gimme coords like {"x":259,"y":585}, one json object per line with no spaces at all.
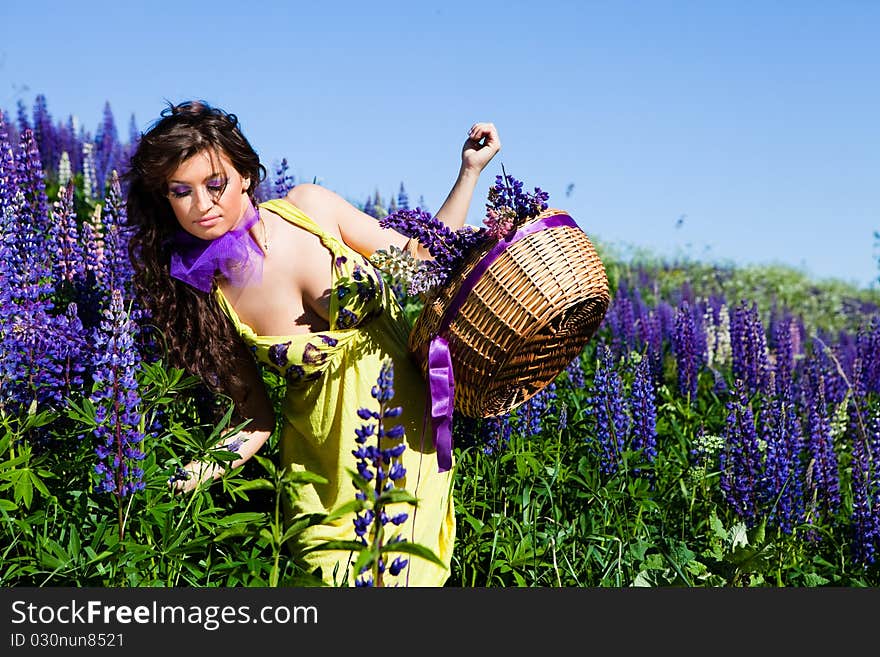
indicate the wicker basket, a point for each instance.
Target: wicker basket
{"x":516,"y":315}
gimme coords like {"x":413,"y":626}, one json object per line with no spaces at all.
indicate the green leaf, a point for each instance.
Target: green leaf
{"x":242,"y":518}
{"x":302,"y":524}
{"x":302,"y":477}
{"x":350,"y":546}
{"x":255,"y":484}
{"x":415,"y":549}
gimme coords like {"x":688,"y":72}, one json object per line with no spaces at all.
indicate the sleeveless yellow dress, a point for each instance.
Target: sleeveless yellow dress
{"x":330,"y":375}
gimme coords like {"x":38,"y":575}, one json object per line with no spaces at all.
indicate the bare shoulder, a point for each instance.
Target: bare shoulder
{"x":320,"y":204}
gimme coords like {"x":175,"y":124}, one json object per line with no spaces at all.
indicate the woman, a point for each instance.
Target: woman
{"x":288,"y":284}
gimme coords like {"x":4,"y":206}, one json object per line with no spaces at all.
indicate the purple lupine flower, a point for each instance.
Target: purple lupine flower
{"x":23,"y":123}
{"x":70,"y":144}
{"x":644,"y":412}
{"x":107,"y":150}
{"x":740,"y":461}
{"x":381,"y":465}
{"x":283,"y":180}
{"x":402,"y":198}
{"x":687,"y":357}
{"x":8,"y":174}
{"x":782,"y":481}
{"x":609,"y":408}
{"x":865,"y":430}
{"x":574,"y":371}
{"x":67,"y":351}
{"x":822,"y":478}
{"x":834,"y":383}
{"x":68,"y":264}
{"x":447,"y":246}
{"x":621,"y":322}
{"x":652,"y":331}
{"x":28,"y":335}
{"x":44,"y":134}
{"x":494,"y":433}
{"x":507,"y":193}
{"x":118,"y":272}
{"x":116,"y":399}
{"x":748,"y":344}
{"x":530,"y":414}
{"x":31,"y":182}
{"x":666,"y":314}
{"x":783,"y":356}
{"x":868,"y":350}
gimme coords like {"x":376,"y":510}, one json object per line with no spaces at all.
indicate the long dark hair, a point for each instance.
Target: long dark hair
{"x":200,"y":337}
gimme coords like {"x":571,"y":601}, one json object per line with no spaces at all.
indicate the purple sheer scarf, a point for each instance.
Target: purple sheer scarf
{"x":234,"y":254}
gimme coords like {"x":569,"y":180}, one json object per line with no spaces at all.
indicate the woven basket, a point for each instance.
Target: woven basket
{"x":527,"y":316}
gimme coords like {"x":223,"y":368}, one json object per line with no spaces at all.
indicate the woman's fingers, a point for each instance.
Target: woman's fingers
{"x":487,"y":133}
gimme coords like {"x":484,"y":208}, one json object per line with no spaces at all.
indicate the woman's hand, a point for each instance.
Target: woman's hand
{"x":474,"y":155}
{"x":188,"y":478}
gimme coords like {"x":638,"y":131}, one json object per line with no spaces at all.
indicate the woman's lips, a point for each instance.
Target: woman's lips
{"x":208,"y":221}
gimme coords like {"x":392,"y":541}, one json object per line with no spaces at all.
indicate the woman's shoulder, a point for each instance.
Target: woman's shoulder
{"x":318,"y":203}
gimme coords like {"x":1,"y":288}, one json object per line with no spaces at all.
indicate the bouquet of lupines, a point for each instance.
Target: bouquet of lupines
{"x":507,"y":208}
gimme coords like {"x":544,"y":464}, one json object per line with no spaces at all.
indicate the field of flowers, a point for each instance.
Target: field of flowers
{"x":722,"y":428}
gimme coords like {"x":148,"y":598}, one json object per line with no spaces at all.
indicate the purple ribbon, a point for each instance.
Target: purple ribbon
{"x":442,"y":385}
{"x":235,"y":254}
{"x":441,"y":378}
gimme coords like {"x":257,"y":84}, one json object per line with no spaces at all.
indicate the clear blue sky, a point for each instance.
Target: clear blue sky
{"x":731,"y":131}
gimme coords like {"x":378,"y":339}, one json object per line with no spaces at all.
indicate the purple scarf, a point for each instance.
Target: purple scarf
{"x":235,"y":254}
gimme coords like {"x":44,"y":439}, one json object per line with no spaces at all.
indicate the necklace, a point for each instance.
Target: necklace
{"x":265,"y":234}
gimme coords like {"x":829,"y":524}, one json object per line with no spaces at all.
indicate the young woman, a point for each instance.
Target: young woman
{"x":288,"y":284}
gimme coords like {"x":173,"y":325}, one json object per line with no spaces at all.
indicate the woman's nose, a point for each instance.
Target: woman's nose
{"x":204,"y":200}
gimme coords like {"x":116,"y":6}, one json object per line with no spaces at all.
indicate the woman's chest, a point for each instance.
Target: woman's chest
{"x":293,"y":295}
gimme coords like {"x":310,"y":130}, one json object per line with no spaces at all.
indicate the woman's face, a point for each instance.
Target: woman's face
{"x":207,"y":195}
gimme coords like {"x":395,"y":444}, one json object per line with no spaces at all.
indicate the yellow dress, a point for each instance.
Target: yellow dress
{"x":330,"y":375}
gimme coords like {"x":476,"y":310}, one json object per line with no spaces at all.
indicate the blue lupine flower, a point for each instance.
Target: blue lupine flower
{"x":448,"y":247}
{"x":31,"y":182}
{"x":67,"y":352}
{"x":381,"y":465}
{"x":865,"y":517}
{"x":68,"y":264}
{"x":45,"y":134}
{"x":8,"y":174}
{"x":529,"y":415}
{"x":750,"y":362}
{"x":609,"y":408}
{"x":402,"y":199}
{"x":782,"y":482}
{"x":740,"y":460}
{"x":574,"y":371}
{"x":822,"y":478}
{"x":644,"y":412}
{"x":106,"y":150}
{"x":687,"y":355}
{"x":117,"y":234}
{"x":494,"y":433}
{"x":507,"y":192}
{"x":116,"y":399}
{"x":283,"y":180}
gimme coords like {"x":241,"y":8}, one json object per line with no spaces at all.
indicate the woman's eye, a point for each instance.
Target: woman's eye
{"x":179,"y":194}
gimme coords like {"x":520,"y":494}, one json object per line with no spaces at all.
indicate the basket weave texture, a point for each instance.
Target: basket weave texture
{"x":524,"y":320}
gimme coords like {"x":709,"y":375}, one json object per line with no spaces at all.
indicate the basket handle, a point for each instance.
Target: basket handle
{"x":441,"y":378}
{"x":550,"y":221}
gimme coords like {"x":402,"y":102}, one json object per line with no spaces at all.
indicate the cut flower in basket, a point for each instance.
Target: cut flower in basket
{"x":507,"y":209}
{"x":506,"y":307}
